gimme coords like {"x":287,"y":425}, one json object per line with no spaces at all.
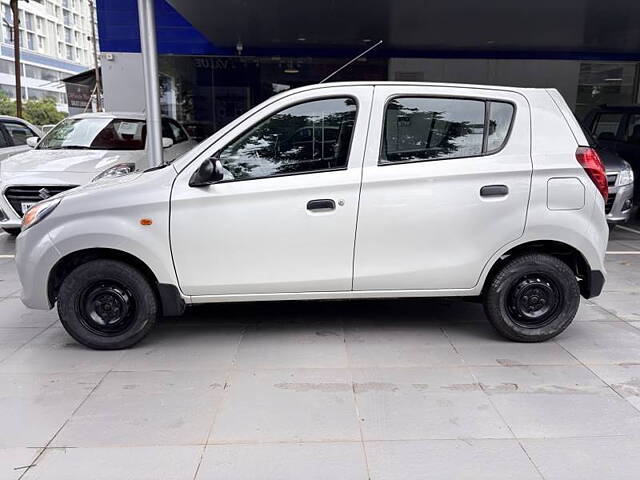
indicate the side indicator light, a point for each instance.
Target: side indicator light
{"x":146,"y":221}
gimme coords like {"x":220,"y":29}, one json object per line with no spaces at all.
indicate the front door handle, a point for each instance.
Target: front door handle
{"x":321,"y":204}
{"x":494,"y":191}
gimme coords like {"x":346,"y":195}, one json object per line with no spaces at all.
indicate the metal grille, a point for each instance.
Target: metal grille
{"x":609,"y":205}
{"x":611,"y":179}
{"x":16,"y":196}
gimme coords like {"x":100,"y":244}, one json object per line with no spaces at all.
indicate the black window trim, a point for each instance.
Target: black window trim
{"x":484,"y":153}
{"x":7,"y":133}
{"x":286,"y":107}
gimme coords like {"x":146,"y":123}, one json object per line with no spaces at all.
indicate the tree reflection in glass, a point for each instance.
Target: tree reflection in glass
{"x":308,"y":137}
{"x":425,"y":128}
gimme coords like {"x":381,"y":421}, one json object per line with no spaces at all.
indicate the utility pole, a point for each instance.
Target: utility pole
{"x":95,"y":57}
{"x":16,"y":55}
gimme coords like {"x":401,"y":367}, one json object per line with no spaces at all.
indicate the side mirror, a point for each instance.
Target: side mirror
{"x":166,"y":142}
{"x":210,"y":172}
{"x":33,"y":141}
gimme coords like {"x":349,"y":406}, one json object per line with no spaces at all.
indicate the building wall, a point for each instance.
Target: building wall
{"x":560,"y":74}
{"x":55,"y":41}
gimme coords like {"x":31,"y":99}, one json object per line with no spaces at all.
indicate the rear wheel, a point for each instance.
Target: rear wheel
{"x":14,"y":232}
{"x":532,"y":298}
{"x":107,"y":305}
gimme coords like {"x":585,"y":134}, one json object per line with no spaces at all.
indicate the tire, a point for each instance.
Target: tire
{"x":532,"y":298}
{"x":14,"y":232}
{"x":107,"y":305}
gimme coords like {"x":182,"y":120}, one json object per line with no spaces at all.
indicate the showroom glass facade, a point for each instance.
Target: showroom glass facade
{"x":207,"y":92}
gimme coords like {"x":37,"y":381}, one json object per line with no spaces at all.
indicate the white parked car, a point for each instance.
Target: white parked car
{"x":338,"y":191}
{"x":14,"y":133}
{"x":76,"y":151}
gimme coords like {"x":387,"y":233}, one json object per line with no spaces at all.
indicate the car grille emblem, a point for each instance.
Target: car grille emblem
{"x":44,"y":193}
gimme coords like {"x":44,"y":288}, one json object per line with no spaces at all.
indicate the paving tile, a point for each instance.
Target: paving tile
{"x":449,"y":459}
{"x":399,"y":347}
{"x":284,"y":461}
{"x":7,"y":350}
{"x":288,"y":405}
{"x":59,"y":358}
{"x":591,"y":312}
{"x":139,"y":463}
{"x":211,"y":347}
{"x":293,"y":346}
{"x":15,"y":315}
{"x":402,"y":404}
{"x":622,"y":273}
{"x":146,"y":409}
{"x":13,"y":461}
{"x":586,"y":458}
{"x":625,"y":305}
{"x":18,"y":336}
{"x":543,"y":379}
{"x":34,"y":406}
{"x":602,"y":343}
{"x":624,"y":379}
{"x":482,"y":345}
{"x":547,"y":415}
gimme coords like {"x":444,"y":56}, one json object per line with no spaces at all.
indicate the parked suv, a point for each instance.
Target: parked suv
{"x":618,"y":129}
{"x":429,"y":190}
{"x":76,"y":151}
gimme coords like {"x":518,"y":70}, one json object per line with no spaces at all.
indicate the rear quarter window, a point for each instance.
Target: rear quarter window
{"x":431,"y":128}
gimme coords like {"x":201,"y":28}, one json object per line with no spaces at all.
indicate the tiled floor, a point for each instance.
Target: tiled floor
{"x":327,"y":390}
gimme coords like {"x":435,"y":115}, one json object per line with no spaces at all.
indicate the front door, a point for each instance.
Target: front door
{"x":283,"y":218}
{"x":445,"y":186}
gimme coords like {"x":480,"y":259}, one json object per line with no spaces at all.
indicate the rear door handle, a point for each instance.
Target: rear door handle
{"x":321,"y":204}
{"x":494,"y":191}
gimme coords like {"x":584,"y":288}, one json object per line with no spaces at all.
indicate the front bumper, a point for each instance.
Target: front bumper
{"x":36,"y":256}
{"x":620,"y":204}
{"x":8,"y":216}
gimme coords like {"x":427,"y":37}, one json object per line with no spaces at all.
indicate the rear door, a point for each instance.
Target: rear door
{"x":446,"y":183}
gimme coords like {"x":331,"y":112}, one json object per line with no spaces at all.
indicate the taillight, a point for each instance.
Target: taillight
{"x":590,"y":161}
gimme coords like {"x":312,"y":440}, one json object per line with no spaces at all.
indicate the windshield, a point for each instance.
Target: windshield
{"x":96,"y":134}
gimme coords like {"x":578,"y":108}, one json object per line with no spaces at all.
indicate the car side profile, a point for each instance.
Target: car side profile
{"x":425,"y":190}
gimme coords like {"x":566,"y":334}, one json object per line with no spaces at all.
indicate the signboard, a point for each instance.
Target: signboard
{"x":78,"y":95}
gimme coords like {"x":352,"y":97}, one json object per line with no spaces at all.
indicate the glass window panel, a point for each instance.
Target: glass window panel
{"x":426,"y":128}
{"x":309,"y":137}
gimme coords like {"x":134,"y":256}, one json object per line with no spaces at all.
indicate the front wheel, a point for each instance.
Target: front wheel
{"x":107,"y":305}
{"x":532,"y":298}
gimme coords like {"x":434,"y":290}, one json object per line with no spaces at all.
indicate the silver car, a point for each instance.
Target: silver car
{"x":620,"y":180}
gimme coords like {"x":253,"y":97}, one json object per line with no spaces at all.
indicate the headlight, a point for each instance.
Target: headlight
{"x":625,"y":177}
{"x":116,"y":171}
{"x":39,"y":211}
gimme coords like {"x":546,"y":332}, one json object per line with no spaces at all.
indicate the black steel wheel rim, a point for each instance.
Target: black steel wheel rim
{"x":534,"y":300}
{"x":106,"y":308}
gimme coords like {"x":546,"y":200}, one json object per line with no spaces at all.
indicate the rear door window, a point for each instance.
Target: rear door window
{"x":431,"y":128}
{"x":605,"y":126}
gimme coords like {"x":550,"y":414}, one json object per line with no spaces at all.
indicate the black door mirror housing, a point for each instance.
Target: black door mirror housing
{"x":210,"y":172}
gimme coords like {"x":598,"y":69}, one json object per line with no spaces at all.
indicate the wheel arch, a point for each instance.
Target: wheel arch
{"x":170,"y":298}
{"x":589,"y":280}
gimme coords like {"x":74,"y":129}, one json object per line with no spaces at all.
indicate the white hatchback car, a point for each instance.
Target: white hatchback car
{"x":76,"y":151}
{"x":338,"y":191}
{"x":14,"y":133}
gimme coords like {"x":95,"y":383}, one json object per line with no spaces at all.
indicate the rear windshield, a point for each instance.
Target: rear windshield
{"x":96,"y":134}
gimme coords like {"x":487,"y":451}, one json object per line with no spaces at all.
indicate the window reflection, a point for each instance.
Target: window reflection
{"x":432,"y":128}
{"x":308,"y":137}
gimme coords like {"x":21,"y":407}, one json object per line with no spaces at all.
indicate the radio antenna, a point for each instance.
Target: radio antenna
{"x":351,"y":61}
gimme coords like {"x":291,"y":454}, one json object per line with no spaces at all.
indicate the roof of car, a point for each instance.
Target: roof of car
{"x":425,"y":84}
